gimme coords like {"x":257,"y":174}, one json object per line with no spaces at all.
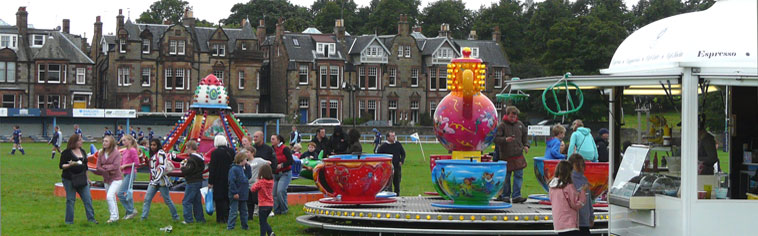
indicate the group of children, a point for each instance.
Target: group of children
{"x":259,"y":179}
{"x":571,"y":198}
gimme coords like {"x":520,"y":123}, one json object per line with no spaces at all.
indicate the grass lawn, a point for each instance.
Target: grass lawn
{"x":29,"y":206}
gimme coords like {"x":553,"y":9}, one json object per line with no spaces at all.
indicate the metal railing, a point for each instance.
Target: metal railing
{"x":369,"y":138}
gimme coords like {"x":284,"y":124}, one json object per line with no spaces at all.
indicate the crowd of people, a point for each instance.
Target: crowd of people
{"x":251,"y":181}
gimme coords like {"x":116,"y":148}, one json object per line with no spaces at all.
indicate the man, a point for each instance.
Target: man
{"x":602,"y":145}
{"x":119,"y":135}
{"x":150,"y":133}
{"x":392,"y":146}
{"x":132,"y":132}
{"x":322,"y":143}
{"x":140,"y":135}
{"x":56,"y":141}
{"x":511,"y":139}
{"x":706,"y":150}
{"x":377,"y":139}
{"x":262,"y":151}
{"x":77,"y":130}
{"x":107,"y":132}
{"x":17,"y":141}
{"x":294,"y":136}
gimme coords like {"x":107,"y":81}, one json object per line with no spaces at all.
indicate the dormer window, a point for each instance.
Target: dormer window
{"x":297,"y":44}
{"x":180,"y":48}
{"x":219,"y":50}
{"x":172,"y":47}
{"x":38,"y":40}
{"x":8,"y":41}
{"x":244,"y":46}
{"x":445,"y":53}
{"x":474,"y":52}
{"x":146,"y":46}
{"x":322,"y":48}
{"x":122,"y":45}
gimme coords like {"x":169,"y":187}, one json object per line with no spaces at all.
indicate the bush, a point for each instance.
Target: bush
{"x":425,"y":119}
{"x":358,"y":121}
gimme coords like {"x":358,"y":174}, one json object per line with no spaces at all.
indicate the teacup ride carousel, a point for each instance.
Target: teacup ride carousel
{"x":465,"y":123}
{"x":596,"y":173}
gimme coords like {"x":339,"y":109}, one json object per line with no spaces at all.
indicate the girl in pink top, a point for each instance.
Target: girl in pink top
{"x":108,"y":163}
{"x":566,"y":200}
{"x":129,"y":163}
{"x":265,"y":188}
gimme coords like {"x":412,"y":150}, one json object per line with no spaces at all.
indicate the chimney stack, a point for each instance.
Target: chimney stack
{"x":339,"y":29}
{"x":167,"y":22}
{"x":444,"y":30}
{"x":188,"y":19}
{"x":243,"y":23}
{"x":279,"y":29}
{"x":496,"y":34}
{"x":260,"y":32}
{"x":472,"y":35}
{"x":95,"y":38}
{"x":119,"y":20}
{"x":417,"y":29}
{"x":66,"y":26}
{"x":402,"y":25}
{"x":21,"y":23}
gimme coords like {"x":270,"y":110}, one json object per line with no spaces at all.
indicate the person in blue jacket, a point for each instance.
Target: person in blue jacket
{"x":582,"y":142}
{"x":553,"y":149}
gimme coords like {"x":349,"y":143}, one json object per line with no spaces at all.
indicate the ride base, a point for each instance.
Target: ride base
{"x":415,"y":215}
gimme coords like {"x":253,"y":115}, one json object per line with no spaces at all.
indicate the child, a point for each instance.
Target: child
{"x":586,"y":213}
{"x":265,"y":188}
{"x":311,"y":153}
{"x":296,"y":149}
{"x":237,"y":194}
{"x":255,"y":167}
{"x":17,"y":141}
{"x":56,"y":141}
{"x":553,"y":149}
{"x":566,"y":200}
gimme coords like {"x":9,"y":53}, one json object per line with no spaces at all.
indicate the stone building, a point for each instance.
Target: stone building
{"x":44,"y":68}
{"x":156,"y":67}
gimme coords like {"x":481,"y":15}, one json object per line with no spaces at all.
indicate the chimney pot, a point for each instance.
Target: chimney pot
{"x":120,"y":11}
{"x":66,"y":26}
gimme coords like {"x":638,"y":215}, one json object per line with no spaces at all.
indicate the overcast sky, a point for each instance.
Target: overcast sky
{"x":48,"y":14}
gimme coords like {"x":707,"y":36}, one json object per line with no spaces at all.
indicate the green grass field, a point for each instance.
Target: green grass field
{"x":30,"y":208}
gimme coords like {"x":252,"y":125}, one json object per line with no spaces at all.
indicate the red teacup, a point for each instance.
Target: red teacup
{"x":354,"y":179}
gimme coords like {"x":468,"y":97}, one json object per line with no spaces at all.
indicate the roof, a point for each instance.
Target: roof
{"x":2,"y":23}
{"x":489,"y":51}
{"x":673,"y":42}
{"x":305,"y":50}
{"x":361,"y":42}
{"x":58,"y":45}
{"x":202,"y":34}
{"x":311,"y":30}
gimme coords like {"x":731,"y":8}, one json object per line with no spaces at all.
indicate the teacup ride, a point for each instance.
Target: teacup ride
{"x":469,"y":184}
{"x":354,"y":179}
{"x":433,"y":162}
{"x":596,"y":173}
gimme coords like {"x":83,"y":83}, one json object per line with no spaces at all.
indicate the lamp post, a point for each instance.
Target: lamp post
{"x":351,"y":88}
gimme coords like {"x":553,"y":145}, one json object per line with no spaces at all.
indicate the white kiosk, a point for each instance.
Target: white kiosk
{"x":680,"y":55}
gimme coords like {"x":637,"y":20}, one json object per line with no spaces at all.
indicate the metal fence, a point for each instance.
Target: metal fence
{"x":369,"y":138}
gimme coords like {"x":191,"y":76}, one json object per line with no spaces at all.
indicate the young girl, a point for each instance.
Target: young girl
{"x":238,"y":191}
{"x":108,"y":163}
{"x":264,"y":186}
{"x":586,"y":213}
{"x":158,"y":180}
{"x":566,"y":200}
{"x":255,"y":164}
{"x":553,"y":150}
{"x":129,"y":162}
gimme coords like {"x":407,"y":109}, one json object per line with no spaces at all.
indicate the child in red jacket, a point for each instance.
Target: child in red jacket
{"x":265,"y":188}
{"x":566,"y":200}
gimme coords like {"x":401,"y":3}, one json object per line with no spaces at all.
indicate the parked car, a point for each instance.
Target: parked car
{"x":325,"y":122}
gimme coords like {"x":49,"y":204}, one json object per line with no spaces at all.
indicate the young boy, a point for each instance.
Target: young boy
{"x":56,"y":141}
{"x":238,"y":191}
{"x":586,"y":213}
{"x":17,"y":141}
{"x":553,"y":149}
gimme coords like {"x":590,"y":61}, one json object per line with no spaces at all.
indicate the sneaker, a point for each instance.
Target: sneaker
{"x":94,"y":221}
{"x":111,"y":221}
{"x":129,"y":216}
{"x":272,"y":234}
{"x":185,"y":222}
{"x":271,"y":214}
{"x":519,"y":200}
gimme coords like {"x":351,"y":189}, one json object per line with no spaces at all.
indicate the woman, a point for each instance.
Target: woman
{"x":582,"y":142}
{"x":74,"y":165}
{"x":221,"y":160}
{"x":282,"y":175}
{"x":129,"y":163}
{"x":353,"y":139}
{"x":158,"y":180}
{"x":338,"y":143}
{"x":108,"y":163}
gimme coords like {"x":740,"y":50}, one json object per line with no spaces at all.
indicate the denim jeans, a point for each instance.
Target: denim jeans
{"x":193,"y":203}
{"x":71,"y":199}
{"x":263,"y":212}
{"x":125,"y":196}
{"x":237,"y":207}
{"x":151,"y":191}
{"x":518,"y":178}
{"x":281,"y":181}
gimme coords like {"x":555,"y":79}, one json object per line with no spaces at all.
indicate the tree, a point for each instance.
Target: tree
{"x":325,"y":13}
{"x":296,"y":18}
{"x":509,"y":16}
{"x":452,"y":12}
{"x":205,"y":23}
{"x":160,"y":11}
{"x":647,"y":12}
{"x":385,"y":13}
